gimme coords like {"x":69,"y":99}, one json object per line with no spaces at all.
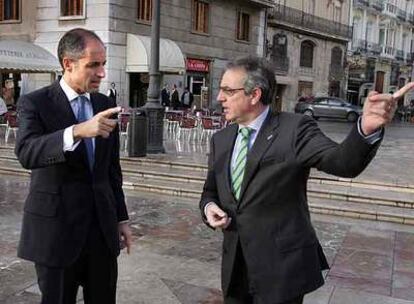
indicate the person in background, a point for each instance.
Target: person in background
{"x":175,"y":99}
{"x":112,"y":93}
{"x":3,"y":106}
{"x":75,"y":219}
{"x":165,"y":96}
{"x":187,"y":98}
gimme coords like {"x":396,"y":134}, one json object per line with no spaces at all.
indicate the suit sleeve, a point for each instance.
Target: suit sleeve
{"x":34,"y":147}
{"x":347,"y":159}
{"x":209,"y":193}
{"x":115,"y":175}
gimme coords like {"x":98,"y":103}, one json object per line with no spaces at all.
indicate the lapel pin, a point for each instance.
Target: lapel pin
{"x":270,"y":137}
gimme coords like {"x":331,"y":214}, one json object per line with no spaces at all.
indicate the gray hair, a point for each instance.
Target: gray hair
{"x":259,"y":75}
{"x":73,"y":43}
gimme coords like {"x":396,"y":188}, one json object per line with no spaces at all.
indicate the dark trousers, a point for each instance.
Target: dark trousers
{"x":240,"y":291}
{"x":96,"y":270}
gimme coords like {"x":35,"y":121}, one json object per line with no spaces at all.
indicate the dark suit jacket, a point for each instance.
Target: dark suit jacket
{"x":271,"y":220}
{"x":64,"y":194}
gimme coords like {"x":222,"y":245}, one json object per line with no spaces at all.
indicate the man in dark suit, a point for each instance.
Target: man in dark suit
{"x":255,"y":189}
{"x":75,"y":217}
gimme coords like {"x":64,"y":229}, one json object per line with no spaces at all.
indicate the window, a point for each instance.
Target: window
{"x":200,"y":16}
{"x":336,"y":57}
{"x":305,"y":88}
{"x":243,"y":25}
{"x":9,"y":10}
{"x":144,"y":12}
{"x":306,"y":54}
{"x":70,"y":8}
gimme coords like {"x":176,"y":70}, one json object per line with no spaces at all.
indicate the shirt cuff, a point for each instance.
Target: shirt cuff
{"x":123,"y":222}
{"x":372,"y":138}
{"x":68,"y":142}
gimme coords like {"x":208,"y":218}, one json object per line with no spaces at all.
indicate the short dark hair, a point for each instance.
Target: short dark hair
{"x":73,"y":43}
{"x":259,"y":74}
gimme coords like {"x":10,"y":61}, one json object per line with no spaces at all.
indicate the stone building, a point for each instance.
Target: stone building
{"x":197,"y":38}
{"x":24,"y":66}
{"x":381,"y":48}
{"x":307,"y":42}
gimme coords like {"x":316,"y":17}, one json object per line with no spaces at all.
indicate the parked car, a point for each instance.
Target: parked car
{"x":329,"y":107}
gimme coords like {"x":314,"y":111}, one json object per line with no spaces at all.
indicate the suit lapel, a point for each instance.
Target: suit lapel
{"x":264,"y":139}
{"x":226,"y":144}
{"x":61,"y":108}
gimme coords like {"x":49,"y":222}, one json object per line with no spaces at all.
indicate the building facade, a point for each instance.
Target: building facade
{"x":307,"y":43}
{"x":381,"y":48}
{"x":197,"y":38}
{"x":20,"y":59}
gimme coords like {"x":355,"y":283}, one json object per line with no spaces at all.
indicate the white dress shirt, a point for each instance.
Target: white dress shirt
{"x":68,"y":141}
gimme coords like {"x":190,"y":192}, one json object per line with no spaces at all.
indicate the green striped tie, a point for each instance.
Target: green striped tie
{"x":237,"y":172}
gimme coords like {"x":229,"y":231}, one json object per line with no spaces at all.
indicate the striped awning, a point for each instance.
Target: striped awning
{"x":26,"y":57}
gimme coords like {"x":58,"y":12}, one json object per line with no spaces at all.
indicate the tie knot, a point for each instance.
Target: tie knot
{"x":82,"y":98}
{"x":246,"y":131}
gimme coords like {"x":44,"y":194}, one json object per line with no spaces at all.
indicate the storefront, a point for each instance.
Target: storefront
{"x":171,"y":66}
{"x":197,"y":80}
{"x":24,"y":67}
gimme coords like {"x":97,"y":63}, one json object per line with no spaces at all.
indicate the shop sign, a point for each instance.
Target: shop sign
{"x":197,"y":65}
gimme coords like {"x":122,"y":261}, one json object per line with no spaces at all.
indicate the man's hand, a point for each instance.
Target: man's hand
{"x":99,"y":125}
{"x":216,"y":217}
{"x":125,"y":236}
{"x":379,"y":109}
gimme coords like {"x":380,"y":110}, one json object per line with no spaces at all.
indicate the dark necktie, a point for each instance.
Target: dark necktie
{"x":82,"y":100}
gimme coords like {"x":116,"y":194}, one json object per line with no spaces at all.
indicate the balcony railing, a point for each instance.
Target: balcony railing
{"x":377,"y":4}
{"x":361,"y":3}
{"x":410,"y":18}
{"x":336,"y":72}
{"x":364,"y":46}
{"x":399,"y":55}
{"x":401,"y":14}
{"x":309,"y":21}
{"x":388,"y":52}
{"x":281,"y":65}
{"x":307,"y":71}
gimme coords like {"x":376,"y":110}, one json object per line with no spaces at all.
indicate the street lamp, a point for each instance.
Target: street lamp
{"x":153,"y":109}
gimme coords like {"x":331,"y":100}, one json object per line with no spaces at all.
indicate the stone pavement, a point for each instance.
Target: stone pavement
{"x":176,"y":259}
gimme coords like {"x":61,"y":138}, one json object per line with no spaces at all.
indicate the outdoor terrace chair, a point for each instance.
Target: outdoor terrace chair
{"x":187,"y":126}
{"x":123,"y":121}
{"x":209,"y":127}
{"x":11,"y":125}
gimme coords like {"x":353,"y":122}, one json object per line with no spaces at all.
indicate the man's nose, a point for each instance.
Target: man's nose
{"x":220,"y":96}
{"x":101,"y":72}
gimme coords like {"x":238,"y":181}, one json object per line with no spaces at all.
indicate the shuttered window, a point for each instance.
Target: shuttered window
{"x":200,"y":16}
{"x":243,"y":26}
{"x":9,"y":10}
{"x":144,"y":12}
{"x":70,"y":8}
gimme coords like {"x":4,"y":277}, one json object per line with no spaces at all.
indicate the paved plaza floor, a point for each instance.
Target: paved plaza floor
{"x":176,"y":258}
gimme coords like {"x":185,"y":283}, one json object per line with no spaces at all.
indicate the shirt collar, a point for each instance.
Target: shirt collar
{"x":69,"y":92}
{"x":258,"y":122}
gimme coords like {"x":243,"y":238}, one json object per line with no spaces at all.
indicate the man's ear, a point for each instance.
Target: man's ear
{"x":67,"y":64}
{"x":256,"y":95}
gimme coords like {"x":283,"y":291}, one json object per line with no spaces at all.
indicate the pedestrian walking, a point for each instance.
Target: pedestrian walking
{"x":255,"y":190}
{"x":75,"y":217}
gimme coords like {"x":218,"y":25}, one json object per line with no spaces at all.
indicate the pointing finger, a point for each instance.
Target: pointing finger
{"x":401,"y":92}
{"x":109,"y":112}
